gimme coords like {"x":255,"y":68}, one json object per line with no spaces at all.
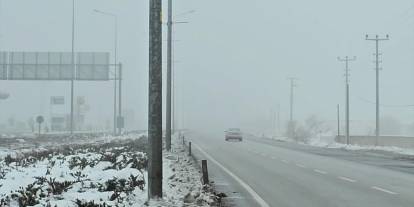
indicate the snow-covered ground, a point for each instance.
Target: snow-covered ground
{"x":329,"y":142}
{"x":101,"y":171}
{"x":182,"y":181}
{"x":4,"y":152}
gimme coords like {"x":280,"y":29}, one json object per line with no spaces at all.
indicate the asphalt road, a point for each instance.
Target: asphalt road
{"x":261,"y":173}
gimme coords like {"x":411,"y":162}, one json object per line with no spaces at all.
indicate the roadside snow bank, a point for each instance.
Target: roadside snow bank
{"x":329,"y":142}
{"x":182,"y":181}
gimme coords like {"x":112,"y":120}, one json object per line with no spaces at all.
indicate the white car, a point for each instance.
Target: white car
{"x":233,"y":134}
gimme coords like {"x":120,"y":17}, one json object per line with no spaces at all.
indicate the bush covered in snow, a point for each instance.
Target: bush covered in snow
{"x":75,"y":175}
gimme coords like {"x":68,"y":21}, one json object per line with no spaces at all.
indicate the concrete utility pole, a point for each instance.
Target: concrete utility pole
{"x":278,"y":120}
{"x":155,"y":101}
{"x":377,"y":68}
{"x":73,"y":69}
{"x":347,"y":60}
{"x":292,"y":86}
{"x":169,"y":77}
{"x":291,"y":127}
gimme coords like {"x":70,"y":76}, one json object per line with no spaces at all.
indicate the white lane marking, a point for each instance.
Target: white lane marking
{"x":263,"y":154}
{"x":301,"y":166}
{"x":383,"y":190}
{"x":253,"y":193}
{"x":273,"y":158}
{"x":285,"y":161}
{"x":320,"y":171}
{"x":347,"y":179}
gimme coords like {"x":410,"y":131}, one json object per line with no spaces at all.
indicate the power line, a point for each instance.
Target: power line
{"x":385,"y":105}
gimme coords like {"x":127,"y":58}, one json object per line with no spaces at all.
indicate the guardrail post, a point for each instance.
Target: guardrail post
{"x":189,"y":148}
{"x":205,"y":172}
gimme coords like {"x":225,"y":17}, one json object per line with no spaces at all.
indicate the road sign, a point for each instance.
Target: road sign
{"x":40,"y":119}
{"x":92,"y":66}
{"x":54,"y":66}
{"x":40,"y":66}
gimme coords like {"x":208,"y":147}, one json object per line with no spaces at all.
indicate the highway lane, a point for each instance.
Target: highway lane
{"x":390,"y":160}
{"x":286,"y":177}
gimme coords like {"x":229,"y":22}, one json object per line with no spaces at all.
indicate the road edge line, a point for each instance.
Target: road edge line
{"x":246,"y":186}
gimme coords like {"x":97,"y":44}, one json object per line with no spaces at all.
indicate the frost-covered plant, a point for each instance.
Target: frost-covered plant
{"x":80,"y":203}
{"x":78,"y":175}
{"x":57,"y":188}
{"x":9,"y":159}
{"x":28,"y":196}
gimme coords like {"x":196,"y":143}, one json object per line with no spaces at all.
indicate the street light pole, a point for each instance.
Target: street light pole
{"x":116,"y":67}
{"x":169,"y":74}
{"x":73,"y":69}
{"x":121,"y":120}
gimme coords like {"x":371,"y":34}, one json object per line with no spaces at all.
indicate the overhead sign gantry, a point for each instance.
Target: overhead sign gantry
{"x":57,"y":66}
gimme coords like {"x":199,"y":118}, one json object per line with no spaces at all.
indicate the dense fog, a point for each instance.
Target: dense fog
{"x":231,"y":62}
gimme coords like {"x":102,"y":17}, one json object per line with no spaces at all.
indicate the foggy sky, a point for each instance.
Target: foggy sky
{"x":231,"y":61}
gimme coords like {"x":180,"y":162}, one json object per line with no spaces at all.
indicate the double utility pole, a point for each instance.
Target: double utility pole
{"x":169,"y":78}
{"x":377,"y":39}
{"x":155,"y":101}
{"x":347,"y":60}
